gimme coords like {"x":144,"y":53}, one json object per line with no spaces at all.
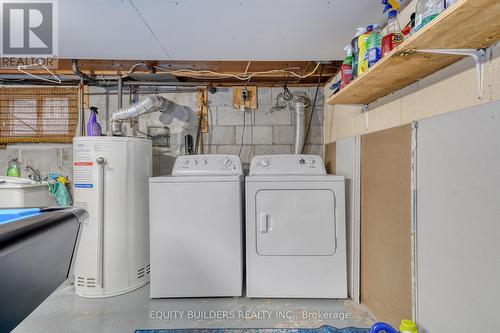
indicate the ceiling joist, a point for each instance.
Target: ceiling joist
{"x":214,"y":72}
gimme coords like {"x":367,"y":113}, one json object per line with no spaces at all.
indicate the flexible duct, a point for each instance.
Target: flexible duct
{"x":150,"y":104}
{"x":300,"y":122}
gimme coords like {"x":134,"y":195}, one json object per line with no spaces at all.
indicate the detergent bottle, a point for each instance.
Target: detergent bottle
{"x":393,"y":36}
{"x":93,"y":127}
{"x":374,"y":44}
{"x":426,"y":11}
{"x":363,"y":51}
{"x":346,"y":68}
{"x":355,"y":51}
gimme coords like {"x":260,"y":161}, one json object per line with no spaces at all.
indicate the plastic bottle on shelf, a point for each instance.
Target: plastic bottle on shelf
{"x":362,"y":65}
{"x":355,"y":51}
{"x":346,"y":68}
{"x":393,"y":36}
{"x":374,"y":44}
{"x":426,"y":11}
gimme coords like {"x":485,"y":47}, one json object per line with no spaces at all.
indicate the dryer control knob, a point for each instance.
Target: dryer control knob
{"x":311,"y":162}
{"x":203,"y":161}
{"x":302,"y":161}
{"x":265,"y":162}
{"x":227,"y":162}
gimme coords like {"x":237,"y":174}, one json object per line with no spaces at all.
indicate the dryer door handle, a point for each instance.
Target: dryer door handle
{"x":263,"y":222}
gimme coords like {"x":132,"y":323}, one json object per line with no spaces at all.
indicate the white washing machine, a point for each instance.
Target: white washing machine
{"x":196,"y":228}
{"x":295,"y":229}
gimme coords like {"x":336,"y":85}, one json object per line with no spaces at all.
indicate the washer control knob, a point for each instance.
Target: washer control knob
{"x":302,"y":161}
{"x":312,"y":161}
{"x":203,"y":161}
{"x":265,"y":162}
{"x":227,"y":162}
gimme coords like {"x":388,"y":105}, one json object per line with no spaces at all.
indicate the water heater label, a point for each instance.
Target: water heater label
{"x":83,"y":174}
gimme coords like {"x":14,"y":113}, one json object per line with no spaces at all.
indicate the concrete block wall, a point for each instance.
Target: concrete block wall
{"x":259,"y":131}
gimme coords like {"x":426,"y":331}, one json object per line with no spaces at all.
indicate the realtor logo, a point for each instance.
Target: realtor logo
{"x":29,"y":32}
{"x":27,"y":28}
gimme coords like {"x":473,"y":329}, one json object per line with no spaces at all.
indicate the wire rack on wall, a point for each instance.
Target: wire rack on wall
{"x":38,"y":114}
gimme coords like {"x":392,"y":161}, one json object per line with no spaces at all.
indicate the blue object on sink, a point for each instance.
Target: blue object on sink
{"x":11,"y":215}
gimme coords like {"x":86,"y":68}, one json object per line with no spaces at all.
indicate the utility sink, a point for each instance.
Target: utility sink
{"x":22,"y":192}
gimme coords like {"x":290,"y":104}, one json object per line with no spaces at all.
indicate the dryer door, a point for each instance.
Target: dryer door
{"x":299,"y":222}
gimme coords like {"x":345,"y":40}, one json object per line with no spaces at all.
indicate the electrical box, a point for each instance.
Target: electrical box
{"x":251,"y":100}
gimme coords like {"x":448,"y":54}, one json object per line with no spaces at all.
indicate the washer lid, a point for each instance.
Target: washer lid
{"x":207,"y":165}
{"x":289,"y":164}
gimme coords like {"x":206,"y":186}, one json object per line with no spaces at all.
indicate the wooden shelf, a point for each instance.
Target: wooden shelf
{"x":469,"y":24}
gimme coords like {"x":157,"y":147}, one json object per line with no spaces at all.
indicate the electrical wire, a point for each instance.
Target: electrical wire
{"x":312,"y":109}
{"x":132,"y":69}
{"x":287,"y":94}
{"x":242,"y":134}
{"x":238,"y":77}
{"x":244,"y":116}
{"x":248,"y":66}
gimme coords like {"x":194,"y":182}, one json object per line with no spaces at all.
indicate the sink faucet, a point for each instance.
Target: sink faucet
{"x":34,"y":174}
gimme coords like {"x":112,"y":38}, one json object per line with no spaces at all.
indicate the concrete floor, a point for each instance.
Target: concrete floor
{"x":63,"y":311}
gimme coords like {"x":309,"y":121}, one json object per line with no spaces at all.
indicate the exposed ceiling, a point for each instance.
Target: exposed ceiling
{"x":111,"y":37}
{"x":244,"y":30}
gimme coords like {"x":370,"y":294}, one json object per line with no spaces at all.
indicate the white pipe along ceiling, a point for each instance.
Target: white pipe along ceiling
{"x":211,"y":30}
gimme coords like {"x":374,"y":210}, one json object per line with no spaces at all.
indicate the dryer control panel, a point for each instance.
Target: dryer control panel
{"x":216,"y":165}
{"x":289,"y":164}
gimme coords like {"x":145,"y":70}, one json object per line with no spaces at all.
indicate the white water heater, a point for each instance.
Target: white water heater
{"x":111,"y":181}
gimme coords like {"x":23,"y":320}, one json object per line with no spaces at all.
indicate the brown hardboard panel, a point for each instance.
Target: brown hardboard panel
{"x":385,"y":224}
{"x":330,"y":157}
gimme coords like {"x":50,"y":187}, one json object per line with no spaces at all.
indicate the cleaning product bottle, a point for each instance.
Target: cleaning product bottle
{"x":426,"y":11}
{"x":374,"y":44}
{"x":363,"y":51}
{"x":355,"y":52}
{"x":394,"y":36}
{"x":14,"y":168}
{"x":382,"y":327}
{"x":406,"y":326}
{"x":93,"y":127}
{"x":346,"y":68}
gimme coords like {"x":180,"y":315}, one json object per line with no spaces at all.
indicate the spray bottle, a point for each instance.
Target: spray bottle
{"x":93,"y":127}
{"x":393,"y":37}
{"x":346,"y":68}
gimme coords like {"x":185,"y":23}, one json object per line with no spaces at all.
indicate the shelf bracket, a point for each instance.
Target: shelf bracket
{"x":479,"y":56}
{"x":364,"y":110}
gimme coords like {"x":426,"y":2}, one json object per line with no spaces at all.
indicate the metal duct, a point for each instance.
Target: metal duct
{"x":149,"y":104}
{"x":300,"y":125}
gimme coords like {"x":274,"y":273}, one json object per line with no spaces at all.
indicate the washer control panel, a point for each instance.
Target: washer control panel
{"x":289,"y":164}
{"x":215,"y":165}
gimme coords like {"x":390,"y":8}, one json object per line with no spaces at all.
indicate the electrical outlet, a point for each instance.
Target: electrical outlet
{"x":239,"y":100}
